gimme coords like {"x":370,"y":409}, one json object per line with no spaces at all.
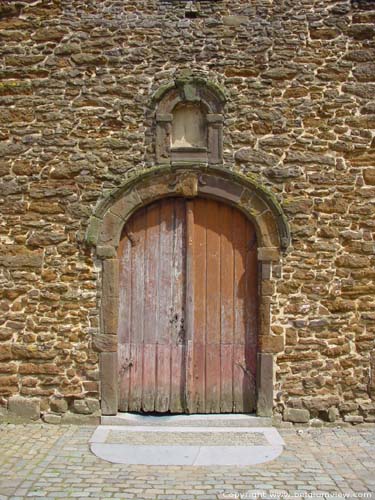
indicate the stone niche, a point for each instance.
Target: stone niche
{"x":189,"y":132}
{"x":189,"y":122}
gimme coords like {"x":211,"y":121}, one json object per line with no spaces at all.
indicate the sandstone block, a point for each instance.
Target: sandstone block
{"x":58,"y":405}
{"x":80,"y":406}
{"x":255,"y":157}
{"x":333,"y":414}
{"x":316,"y":422}
{"x":369,"y":176}
{"x":18,"y":257}
{"x":235,"y":20}
{"x":25,"y":408}
{"x":79,"y":419}
{"x":105,"y":343}
{"x":51,"y":418}
{"x":353,"y":419}
{"x":296,"y":416}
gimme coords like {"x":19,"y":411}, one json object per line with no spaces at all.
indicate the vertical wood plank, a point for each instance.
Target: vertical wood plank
{"x":178,"y":339}
{"x":226,"y":308}
{"x":251,"y":288}
{"x":138,"y":231}
{"x":149,"y":388}
{"x":151,"y":295}
{"x":166,"y":313}
{"x":213,"y":313}
{"x":124,"y":368}
{"x":136,"y":377}
{"x":151,"y":273}
{"x":226,"y":378}
{"x":177,"y":402}
{"x":239,"y":250}
{"x":190,"y":308}
{"x":199,"y":258}
{"x":163,"y":377}
{"x":137,"y":277}
{"x":227,"y":274}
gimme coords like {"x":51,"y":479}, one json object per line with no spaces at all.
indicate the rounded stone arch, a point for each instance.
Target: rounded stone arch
{"x":244,"y":193}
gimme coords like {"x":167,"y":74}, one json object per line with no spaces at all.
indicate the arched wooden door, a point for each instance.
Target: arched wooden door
{"x":188,"y":309}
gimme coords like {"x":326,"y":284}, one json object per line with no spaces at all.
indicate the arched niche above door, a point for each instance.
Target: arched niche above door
{"x":189,"y":122}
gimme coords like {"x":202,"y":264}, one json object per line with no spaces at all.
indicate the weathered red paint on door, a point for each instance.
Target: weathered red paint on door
{"x":188,"y":309}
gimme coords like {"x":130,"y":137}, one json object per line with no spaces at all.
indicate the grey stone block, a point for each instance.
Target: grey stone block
{"x":52,"y":418}
{"x":353,"y":419}
{"x":28,"y":409}
{"x":296,"y":416}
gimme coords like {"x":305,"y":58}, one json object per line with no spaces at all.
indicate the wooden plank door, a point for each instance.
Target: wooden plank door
{"x":151,"y":317}
{"x":221,"y":309}
{"x":196,"y":256}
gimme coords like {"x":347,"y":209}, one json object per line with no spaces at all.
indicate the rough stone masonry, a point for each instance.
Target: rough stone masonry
{"x":76,"y":80}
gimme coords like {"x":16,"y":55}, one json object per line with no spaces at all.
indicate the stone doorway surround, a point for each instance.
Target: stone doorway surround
{"x":243,"y":192}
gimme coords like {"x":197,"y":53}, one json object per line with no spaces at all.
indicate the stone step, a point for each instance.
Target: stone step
{"x":216,"y":420}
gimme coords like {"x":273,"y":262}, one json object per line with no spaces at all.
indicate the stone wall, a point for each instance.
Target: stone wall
{"x":76,"y":119}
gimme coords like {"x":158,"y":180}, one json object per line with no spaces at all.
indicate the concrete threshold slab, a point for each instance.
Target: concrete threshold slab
{"x":193,"y":446}
{"x":220,"y":420}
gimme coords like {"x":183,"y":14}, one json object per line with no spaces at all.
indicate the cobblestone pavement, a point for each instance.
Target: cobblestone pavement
{"x":41,"y":461}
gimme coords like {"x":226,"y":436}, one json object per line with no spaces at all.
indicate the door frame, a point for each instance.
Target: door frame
{"x":104,"y":231}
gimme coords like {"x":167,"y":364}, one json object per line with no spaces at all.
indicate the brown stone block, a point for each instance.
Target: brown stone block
{"x":333,"y":206}
{"x":21,"y":61}
{"x":44,"y":239}
{"x":153,"y":189}
{"x":126,"y":204}
{"x":49,"y":34}
{"x":32,"y":352}
{"x":295,"y":206}
{"x":187,"y":185}
{"x":6,"y":333}
{"x":268,"y":229}
{"x":8,"y":368}
{"x":369,"y":176}
{"x":9,"y":391}
{"x":89,"y":59}
{"x":43,"y":369}
{"x":109,"y":315}
{"x":110,"y":230}
{"x":106,"y":252}
{"x":264,"y":316}
{"x":267,"y":288}
{"x":265,"y":384}
{"x":362,"y":31}
{"x":271,"y":343}
{"x":108,"y":371}
{"x":5,"y":353}
{"x":219,"y":188}
{"x":324,"y":33}
{"x":110,"y":278}
{"x":252,"y":203}
{"x":105,"y":343}
{"x":268,"y":254}
{"x":7,"y":381}
{"x":17,"y":257}
{"x":45,"y":207}
{"x":353,"y":261}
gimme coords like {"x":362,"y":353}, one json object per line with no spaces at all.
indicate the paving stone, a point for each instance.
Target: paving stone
{"x":50,"y":462}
